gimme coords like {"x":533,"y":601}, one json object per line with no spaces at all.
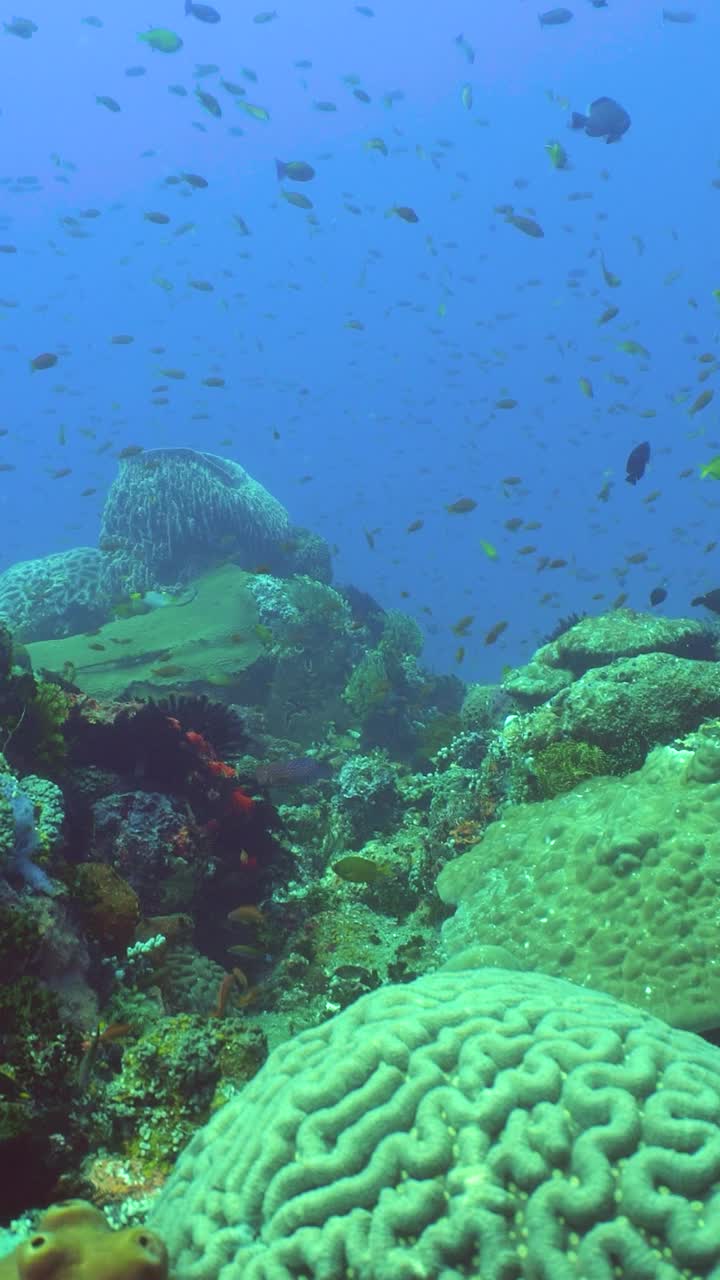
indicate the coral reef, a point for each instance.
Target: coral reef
{"x":197,"y":643}
{"x":598,"y":641}
{"x":626,"y":708}
{"x":57,"y":595}
{"x":563,"y":765}
{"x":224,"y":820}
{"x":366,"y":799}
{"x":473,"y":1122}
{"x":172,"y":513}
{"x":612,"y":884}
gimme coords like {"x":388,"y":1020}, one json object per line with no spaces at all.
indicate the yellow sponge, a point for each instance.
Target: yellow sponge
{"x":74,"y":1241}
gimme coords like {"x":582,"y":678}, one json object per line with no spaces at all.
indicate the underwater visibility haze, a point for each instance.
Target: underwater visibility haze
{"x":359,"y":640}
{"x":364,"y":364}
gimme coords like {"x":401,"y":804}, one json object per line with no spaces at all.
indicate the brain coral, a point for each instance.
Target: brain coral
{"x":614,"y":884}
{"x":473,"y":1123}
{"x":56,"y":595}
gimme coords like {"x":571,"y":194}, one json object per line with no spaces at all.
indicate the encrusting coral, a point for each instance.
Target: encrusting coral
{"x":74,"y":1241}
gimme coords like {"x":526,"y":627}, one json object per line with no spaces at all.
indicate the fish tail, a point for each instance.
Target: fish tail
{"x":188,"y":7}
{"x":578,"y":120}
{"x":280,"y":169}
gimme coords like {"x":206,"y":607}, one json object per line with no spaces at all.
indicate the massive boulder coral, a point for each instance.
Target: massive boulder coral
{"x":172,"y":513}
{"x":599,"y":641}
{"x":474,"y":1122}
{"x":624,"y":708}
{"x":57,"y":595}
{"x":613,"y":884}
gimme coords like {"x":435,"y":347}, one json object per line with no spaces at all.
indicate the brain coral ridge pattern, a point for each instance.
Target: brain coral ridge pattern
{"x":474,"y":1123}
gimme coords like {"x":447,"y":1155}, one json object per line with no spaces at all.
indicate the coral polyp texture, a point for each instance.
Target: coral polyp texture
{"x":473,"y":1123}
{"x":613,"y":884}
{"x":58,"y":594}
{"x":173,"y":511}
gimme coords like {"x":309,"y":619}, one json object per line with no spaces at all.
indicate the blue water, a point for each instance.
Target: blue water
{"x":385,"y":425}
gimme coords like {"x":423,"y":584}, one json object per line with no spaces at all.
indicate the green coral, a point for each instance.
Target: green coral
{"x":613,"y":884}
{"x":473,"y":1123}
{"x":42,"y":728}
{"x":168,"y":1080}
{"x":401,"y":636}
{"x":47,"y":799}
{"x":562,"y":765}
{"x":32,"y":715}
{"x":369,"y":684}
{"x":438,"y":732}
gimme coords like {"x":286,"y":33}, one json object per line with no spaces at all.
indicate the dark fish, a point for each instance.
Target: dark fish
{"x":461,"y":507}
{"x":637,"y":462}
{"x":209,"y":102}
{"x":22,"y":27}
{"x":495,"y":632}
{"x":555,"y":17}
{"x":403,"y":211}
{"x":605,"y":118}
{"x":203,"y":12}
{"x":296,"y":170}
{"x":683,"y":16}
{"x":657,"y":595}
{"x":359,"y":870}
{"x":104,"y":101}
{"x":711,"y":600}
{"x":527,"y":225}
{"x":292,"y":773}
{"x":45,"y":360}
{"x":298,"y":199}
